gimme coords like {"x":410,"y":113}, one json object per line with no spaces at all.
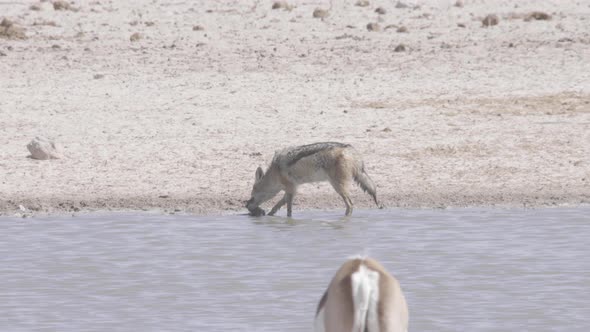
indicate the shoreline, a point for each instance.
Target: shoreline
{"x":218,"y":206}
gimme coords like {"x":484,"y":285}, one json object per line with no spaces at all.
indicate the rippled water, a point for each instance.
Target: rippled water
{"x":461,"y":270}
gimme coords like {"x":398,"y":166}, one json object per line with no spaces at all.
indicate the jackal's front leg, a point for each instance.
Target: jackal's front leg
{"x":278,"y":205}
{"x":289,"y":198}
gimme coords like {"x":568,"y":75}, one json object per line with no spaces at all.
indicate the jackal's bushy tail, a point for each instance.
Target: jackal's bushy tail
{"x":364,"y":181}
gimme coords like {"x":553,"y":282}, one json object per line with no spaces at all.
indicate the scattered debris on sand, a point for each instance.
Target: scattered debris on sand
{"x":217,"y":68}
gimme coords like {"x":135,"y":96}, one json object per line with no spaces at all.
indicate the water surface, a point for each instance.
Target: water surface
{"x":460,"y":269}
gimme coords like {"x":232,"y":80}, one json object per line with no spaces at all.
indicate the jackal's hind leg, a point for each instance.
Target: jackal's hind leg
{"x":341,"y":189}
{"x":348,"y":203}
{"x":278,"y":206}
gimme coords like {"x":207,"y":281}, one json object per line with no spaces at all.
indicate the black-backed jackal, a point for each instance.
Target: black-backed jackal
{"x":338,"y":163}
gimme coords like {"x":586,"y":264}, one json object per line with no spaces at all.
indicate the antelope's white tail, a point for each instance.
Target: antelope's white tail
{"x":365,"y":296}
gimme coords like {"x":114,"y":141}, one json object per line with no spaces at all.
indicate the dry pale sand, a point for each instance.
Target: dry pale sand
{"x":179,"y":118}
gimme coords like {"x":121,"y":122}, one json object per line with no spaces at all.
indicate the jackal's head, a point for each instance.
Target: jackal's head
{"x":265,"y":187}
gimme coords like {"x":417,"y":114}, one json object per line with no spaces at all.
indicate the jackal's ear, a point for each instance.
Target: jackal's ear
{"x":259,"y":173}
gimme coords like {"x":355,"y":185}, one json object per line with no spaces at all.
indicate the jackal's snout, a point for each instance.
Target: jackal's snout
{"x":249,"y":203}
{"x":254,"y":209}
{"x":252,"y":205}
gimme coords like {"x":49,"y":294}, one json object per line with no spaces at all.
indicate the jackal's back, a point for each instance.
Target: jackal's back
{"x":317,"y":162}
{"x":291,"y":155}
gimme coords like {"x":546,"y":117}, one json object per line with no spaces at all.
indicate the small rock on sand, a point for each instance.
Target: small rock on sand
{"x":9,"y":30}
{"x":6,"y":23}
{"x":402,"y":29}
{"x":198,"y":28}
{"x":400,"y":48}
{"x":380,"y":11}
{"x":62,"y":5}
{"x":401,"y":5}
{"x":373,"y":27}
{"x":320,"y":13}
{"x":282,"y":5}
{"x":459,"y":3}
{"x":539,"y":16}
{"x":490,"y":20}
{"x":42,"y":148}
{"x":135,"y":37}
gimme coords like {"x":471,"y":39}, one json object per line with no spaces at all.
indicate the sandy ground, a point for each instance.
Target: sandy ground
{"x":179,"y":119}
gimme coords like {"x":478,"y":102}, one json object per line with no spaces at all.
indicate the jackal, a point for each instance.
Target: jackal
{"x":337,"y":163}
{"x":362,"y":296}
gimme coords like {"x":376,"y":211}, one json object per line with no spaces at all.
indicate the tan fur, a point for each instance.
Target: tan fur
{"x":337,"y":163}
{"x":335,"y":310}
